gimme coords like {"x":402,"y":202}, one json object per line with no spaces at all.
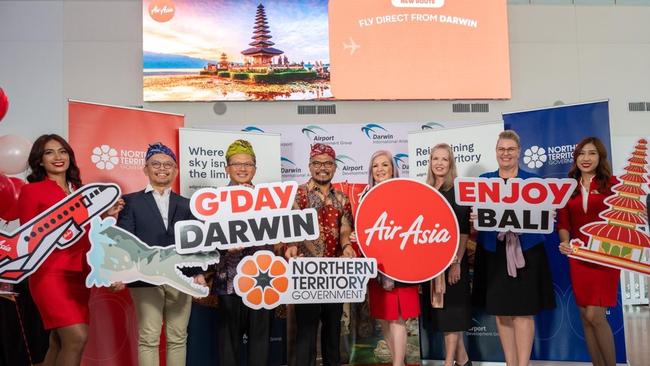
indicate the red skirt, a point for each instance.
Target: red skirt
{"x":400,"y":302}
{"x":61,"y":297}
{"x":594,"y":284}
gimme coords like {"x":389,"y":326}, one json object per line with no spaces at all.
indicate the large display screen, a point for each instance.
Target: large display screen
{"x":222,"y":50}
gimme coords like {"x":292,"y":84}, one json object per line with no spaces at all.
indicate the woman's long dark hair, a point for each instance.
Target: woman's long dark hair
{"x":603,"y":170}
{"x":38,"y":172}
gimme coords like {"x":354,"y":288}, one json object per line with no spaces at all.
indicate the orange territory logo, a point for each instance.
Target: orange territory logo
{"x":261,"y":280}
{"x":409,"y":228}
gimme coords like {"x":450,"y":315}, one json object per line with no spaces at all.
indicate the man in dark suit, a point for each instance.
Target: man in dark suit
{"x":150,"y":215}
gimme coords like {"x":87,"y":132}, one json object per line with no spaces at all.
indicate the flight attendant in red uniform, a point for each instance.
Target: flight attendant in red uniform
{"x":594,"y":286}
{"x":58,"y":285}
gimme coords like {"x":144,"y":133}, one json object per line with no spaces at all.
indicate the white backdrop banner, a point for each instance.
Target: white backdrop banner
{"x":202,"y":160}
{"x":354,"y":144}
{"x":473,"y":146}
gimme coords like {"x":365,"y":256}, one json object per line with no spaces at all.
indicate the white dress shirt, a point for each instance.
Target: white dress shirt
{"x":162,"y":201}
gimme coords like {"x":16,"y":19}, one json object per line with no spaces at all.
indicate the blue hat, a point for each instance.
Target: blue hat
{"x":159,"y":148}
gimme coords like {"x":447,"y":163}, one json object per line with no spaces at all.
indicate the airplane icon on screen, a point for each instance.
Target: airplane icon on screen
{"x":352,"y":46}
{"x":25,"y":249}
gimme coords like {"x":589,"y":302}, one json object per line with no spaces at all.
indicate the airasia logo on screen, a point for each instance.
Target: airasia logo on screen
{"x":409,"y":228}
{"x":418,"y":3}
{"x":162,"y":10}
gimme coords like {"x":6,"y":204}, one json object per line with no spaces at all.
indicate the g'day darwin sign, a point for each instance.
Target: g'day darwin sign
{"x":518,"y":205}
{"x":241,"y":216}
{"x":409,"y":228}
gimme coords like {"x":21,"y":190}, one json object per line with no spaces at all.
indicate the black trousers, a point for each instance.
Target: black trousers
{"x":235,"y":320}
{"x":307,"y":319}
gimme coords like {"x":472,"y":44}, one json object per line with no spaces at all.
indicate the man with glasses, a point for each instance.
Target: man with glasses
{"x":235,"y":318}
{"x":335,"y":223}
{"x":150,"y":215}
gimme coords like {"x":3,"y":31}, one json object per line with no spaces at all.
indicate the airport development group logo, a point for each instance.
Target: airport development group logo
{"x":535,"y":157}
{"x":349,"y":166}
{"x":252,"y":129}
{"x":317,"y":134}
{"x":432,"y":126}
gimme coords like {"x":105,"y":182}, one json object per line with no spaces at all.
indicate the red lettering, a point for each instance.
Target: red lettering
{"x":559,"y":191}
{"x":466,"y":192}
{"x":514,"y":193}
{"x":489,"y":189}
{"x":206,"y":204}
{"x":241,"y":200}
{"x":264,"y":200}
{"x":284,"y":195}
{"x":527,"y":195}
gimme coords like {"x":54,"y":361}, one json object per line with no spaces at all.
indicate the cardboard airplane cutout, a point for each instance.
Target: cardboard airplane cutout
{"x":24,"y":250}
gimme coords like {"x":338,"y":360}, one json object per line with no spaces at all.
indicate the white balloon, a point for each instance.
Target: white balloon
{"x":14,"y":151}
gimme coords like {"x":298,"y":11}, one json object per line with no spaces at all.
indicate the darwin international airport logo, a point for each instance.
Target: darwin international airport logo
{"x":252,"y":129}
{"x":261,"y":280}
{"x":432,"y":126}
{"x":289,"y":168}
{"x":535,"y":157}
{"x":377,"y":133}
{"x":104,"y":157}
{"x":402,"y":161}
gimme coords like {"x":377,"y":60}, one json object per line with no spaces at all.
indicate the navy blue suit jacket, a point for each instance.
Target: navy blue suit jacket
{"x":141,"y":217}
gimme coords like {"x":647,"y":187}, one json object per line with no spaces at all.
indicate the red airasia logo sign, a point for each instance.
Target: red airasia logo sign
{"x":409,"y":228}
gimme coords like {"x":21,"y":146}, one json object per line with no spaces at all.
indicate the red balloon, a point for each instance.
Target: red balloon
{"x":4,"y":104}
{"x":11,"y":214}
{"x":7,"y":195}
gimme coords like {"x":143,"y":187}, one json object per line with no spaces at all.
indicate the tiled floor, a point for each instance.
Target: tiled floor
{"x":637,"y":335}
{"x":637,"y":340}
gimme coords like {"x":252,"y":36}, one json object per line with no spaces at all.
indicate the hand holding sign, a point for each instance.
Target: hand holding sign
{"x":518,"y":205}
{"x":265,"y":281}
{"x":241,"y":216}
{"x":409,"y":228}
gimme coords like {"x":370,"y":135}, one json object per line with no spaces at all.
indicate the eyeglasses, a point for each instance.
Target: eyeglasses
{"x":510,"y":150}
{"x":319,"y":164}
{"x":157,"y":164}
{"x":242,"y":165}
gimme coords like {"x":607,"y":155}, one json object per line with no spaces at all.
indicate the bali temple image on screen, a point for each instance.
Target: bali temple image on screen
{"x":236,"y":50}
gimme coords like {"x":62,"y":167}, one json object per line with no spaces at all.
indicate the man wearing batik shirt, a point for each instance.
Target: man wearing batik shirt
{"x":235,"y":318}
{"x":335,"y":223}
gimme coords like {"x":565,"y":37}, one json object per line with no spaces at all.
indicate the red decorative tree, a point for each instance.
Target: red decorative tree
{"x":619,"y":242}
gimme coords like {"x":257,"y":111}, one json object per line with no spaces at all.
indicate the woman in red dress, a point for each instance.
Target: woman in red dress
{"x":594,"y":286}
{"x":391,"y":302}
{"x":58,"y":285}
